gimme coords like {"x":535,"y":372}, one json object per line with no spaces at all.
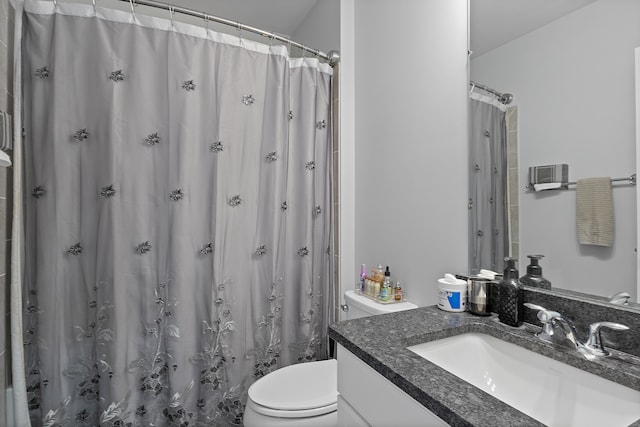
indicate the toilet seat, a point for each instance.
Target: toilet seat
{"x":304,"y":413}
{"x":297,"y":391}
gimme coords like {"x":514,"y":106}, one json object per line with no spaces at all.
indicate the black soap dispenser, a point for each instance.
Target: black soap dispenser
{"x":510,"y":290}
{"x":534,"y":277}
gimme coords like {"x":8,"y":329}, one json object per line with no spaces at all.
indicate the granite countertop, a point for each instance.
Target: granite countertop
{"x":381,"y":341}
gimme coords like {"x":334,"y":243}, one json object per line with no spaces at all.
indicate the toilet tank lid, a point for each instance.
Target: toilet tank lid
{"x":369,"y":306}
{"x":298,"y":387}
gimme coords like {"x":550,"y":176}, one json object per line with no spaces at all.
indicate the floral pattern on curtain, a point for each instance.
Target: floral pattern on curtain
{"x":177,"y":230}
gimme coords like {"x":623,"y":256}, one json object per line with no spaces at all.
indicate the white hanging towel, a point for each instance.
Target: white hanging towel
{"x":594,"y":211}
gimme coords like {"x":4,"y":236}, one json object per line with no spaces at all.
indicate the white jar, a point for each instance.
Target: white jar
{"x":452,"y":296}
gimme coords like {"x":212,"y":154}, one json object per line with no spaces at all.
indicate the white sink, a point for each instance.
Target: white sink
{"x":552,"y":392}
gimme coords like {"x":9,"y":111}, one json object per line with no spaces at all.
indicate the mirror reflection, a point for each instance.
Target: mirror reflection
{"x":571,"y":69}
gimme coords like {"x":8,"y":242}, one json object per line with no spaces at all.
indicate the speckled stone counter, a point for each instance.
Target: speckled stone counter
{"x":381,"y":341}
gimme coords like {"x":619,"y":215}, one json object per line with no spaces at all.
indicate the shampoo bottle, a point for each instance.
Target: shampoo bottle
{"x":534,"y":274}
{"x":510,"y":303}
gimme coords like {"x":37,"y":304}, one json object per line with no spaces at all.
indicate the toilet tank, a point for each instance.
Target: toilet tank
{"x":361,"y":306}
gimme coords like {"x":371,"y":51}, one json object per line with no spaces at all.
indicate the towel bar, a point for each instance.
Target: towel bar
{"x":632,"y":181}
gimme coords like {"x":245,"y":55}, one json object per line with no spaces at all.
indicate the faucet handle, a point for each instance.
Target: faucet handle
{"x":621,"y":298}
{"x":534,"y":306}
{"x":594,"y":342}
{"x":545,"y":316}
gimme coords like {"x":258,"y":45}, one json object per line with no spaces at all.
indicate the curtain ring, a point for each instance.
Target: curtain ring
{"x":172,"y":11}
{"x":133,"y":5}
{"x":95,"y":11}
{"x":239,"y":28}
{"x":55,"y":5}
{"x":473,"y":86}
{"x":206,"y":22}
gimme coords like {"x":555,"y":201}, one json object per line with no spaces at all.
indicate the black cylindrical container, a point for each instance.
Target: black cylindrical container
{"x":510,"y":311}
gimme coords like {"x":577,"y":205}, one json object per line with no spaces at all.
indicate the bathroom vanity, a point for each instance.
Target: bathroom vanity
{"x":366,"y":398}
{"x":382,"y":382}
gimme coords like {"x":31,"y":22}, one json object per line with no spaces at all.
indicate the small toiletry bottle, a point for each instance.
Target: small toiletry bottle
{"x":363,"y":277}
{"x":387,"y":285}
{"x":398,"y":292}
{"x":384,"y":292}
{"x":379,"y":274}
{"x":534,"y":277}
{"x":510,"y":308}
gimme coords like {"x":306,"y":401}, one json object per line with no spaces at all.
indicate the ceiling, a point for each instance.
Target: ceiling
{"x":280,"y":16}
{"x":496,"y":22}
{"x":493,"y":22}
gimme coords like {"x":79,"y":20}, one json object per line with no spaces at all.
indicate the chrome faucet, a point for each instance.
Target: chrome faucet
{"x":594,"y":342}
{"x":559,"y":330}
{"x":621,"y":298}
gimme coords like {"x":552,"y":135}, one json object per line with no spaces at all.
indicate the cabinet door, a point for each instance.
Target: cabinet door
{"x":376,"y":399}
{"x":349,"y":417}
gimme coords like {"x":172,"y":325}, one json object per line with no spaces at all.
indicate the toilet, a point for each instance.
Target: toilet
{"x":305,"y":395}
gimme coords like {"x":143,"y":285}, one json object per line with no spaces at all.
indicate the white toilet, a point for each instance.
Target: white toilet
{"x":305,"y":395}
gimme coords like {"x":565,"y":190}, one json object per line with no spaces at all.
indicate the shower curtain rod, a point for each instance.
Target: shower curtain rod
{"x":333,"y":57}
{"x":505,"y":98}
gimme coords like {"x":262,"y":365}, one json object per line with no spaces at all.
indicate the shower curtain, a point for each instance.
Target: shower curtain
{"x":488,"y":217}
{"x":176,"y":216}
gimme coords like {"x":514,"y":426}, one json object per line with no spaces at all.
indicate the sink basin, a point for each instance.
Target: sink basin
{"x":549,"y":391}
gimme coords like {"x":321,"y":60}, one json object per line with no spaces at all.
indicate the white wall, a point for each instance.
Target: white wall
{"x":347,"y":193}
{"x":321,"y":27}
{"x":410,"y":140}
{"x":573,"y":84}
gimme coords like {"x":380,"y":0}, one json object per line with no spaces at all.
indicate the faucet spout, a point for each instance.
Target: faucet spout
{"x":565,"y":333}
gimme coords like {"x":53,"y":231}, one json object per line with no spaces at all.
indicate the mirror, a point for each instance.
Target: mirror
{"x":570,"y":68}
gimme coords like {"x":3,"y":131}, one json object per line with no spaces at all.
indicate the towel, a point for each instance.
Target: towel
{"x":594,"y":211}
{"x":547,"y":186}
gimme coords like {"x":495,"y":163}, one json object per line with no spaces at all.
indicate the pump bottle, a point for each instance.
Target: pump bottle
{"x":510,"y":308}
{"x":534,"y":277}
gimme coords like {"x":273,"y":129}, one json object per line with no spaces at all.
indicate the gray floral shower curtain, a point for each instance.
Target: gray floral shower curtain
{"x":177,"y":217}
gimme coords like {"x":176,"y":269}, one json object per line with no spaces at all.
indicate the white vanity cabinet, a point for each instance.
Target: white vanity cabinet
{"x":366,"y":398}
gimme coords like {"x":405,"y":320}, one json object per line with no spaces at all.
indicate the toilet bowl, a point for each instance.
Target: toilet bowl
{"x":305,"y":395}
{"x":297,"y":395}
